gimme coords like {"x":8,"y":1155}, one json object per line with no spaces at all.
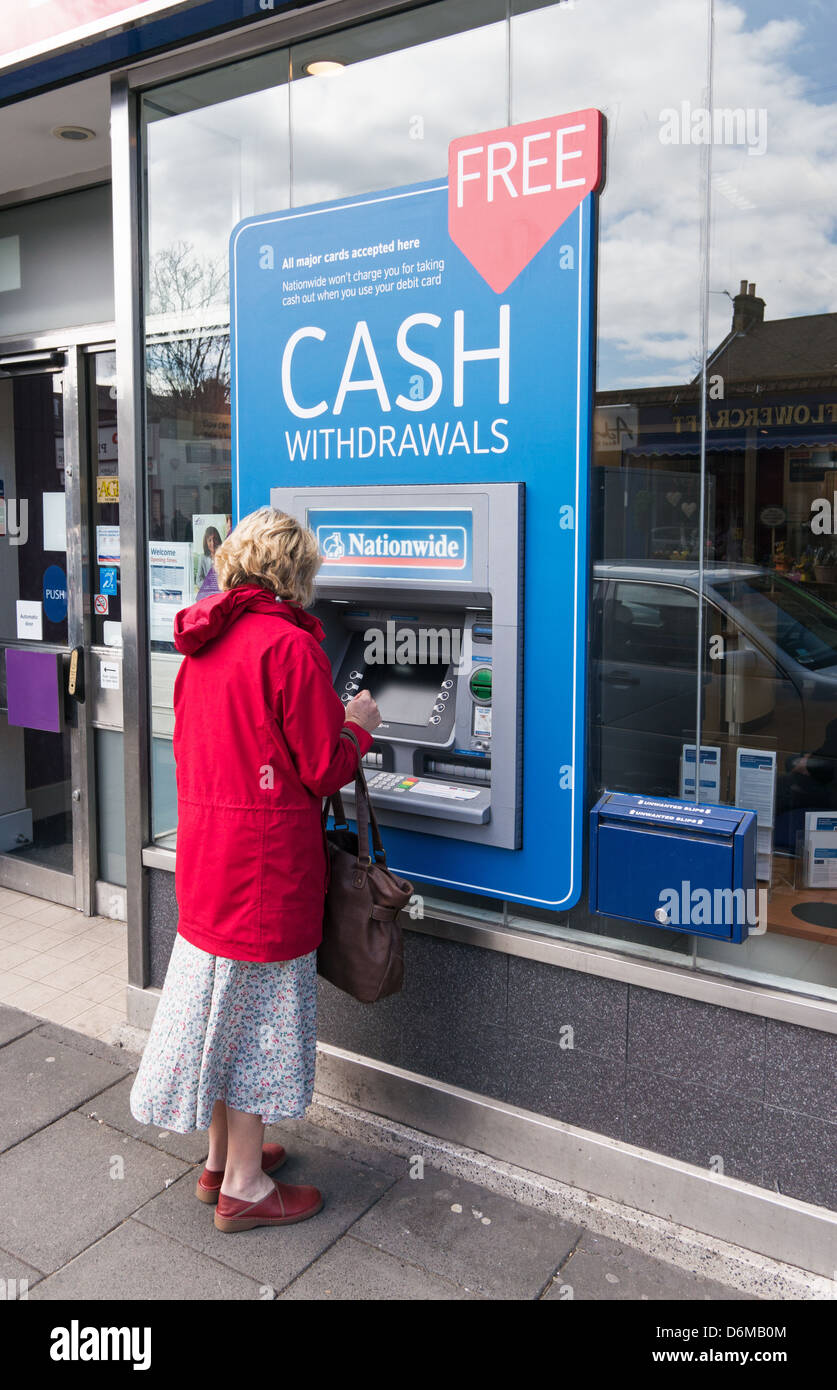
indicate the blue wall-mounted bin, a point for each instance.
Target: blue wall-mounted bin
{"x":674,"y":864}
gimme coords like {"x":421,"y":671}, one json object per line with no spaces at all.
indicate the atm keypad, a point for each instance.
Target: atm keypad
{"x":386,"y":781}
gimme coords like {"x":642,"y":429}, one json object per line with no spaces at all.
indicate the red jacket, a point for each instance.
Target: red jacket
{"x":257,"y":745}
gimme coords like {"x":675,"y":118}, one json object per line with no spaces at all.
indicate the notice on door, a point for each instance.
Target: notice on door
{"x":107,"y":489}
{"x":107,"y":545}
{"x":30,"y":620}
{"x":55,"y":521}
{"x":109,"y":675}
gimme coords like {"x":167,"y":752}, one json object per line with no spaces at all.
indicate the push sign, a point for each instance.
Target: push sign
{"x":55,"y":593}
{"x":440,"y":334}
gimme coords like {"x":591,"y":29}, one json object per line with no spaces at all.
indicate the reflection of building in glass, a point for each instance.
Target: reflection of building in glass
{"x":771,"y":452}
{"x":769,"y":658}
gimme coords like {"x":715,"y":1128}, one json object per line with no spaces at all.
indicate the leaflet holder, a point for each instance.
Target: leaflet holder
{"x":674,"y":864}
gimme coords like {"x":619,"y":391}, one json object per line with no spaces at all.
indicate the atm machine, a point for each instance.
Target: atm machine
{"x":421,"y":596}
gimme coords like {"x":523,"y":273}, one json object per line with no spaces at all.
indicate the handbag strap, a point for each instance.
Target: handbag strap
{"x":364,"y":812}
{"x":366,"y":819}
{"x":334,"y":803}
{"x":346,"y":732}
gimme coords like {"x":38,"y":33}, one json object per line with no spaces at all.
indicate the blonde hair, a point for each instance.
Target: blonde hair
{"x":273,"y":550}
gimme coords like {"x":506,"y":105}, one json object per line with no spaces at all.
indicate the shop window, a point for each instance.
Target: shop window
{"x":761,"y":474}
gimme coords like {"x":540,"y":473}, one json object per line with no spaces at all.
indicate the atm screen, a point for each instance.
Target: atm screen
{"x":405,"y":694}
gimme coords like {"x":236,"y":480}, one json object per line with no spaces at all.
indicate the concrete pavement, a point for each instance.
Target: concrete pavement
{"x":94,"y":1205}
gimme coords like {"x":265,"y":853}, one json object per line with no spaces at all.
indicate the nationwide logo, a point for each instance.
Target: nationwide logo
{"x":413,"y":547}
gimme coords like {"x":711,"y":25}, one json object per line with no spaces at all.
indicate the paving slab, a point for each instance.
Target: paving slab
{"x":41,"y":1079}
{"x":14,"y":1023}
{"x":474,"y":1237}
{"x":273,"y":1255}
{"x":112,"y":1107}
{"x":352,"y":1271}
{"x":288,"y":1131}
{"x":606,"y":1270}
{"x":12,"y":1270}
{"x":85,"y":1042}
{"x":60,"y":1190}
{"x":135,"y":1262}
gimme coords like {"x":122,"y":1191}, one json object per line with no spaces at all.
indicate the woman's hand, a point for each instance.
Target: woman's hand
{"x":362,"y":710}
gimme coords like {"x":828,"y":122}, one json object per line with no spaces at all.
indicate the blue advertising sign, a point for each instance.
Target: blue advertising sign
{"x":437,"y":334}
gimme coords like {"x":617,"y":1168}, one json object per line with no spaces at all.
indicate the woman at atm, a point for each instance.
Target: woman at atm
{"x":260,"y":738}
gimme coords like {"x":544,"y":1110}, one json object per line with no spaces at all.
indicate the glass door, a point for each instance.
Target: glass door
{"x":44,"y":778}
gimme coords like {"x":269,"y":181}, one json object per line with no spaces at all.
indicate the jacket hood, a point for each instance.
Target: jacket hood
{"x":211,"y":617}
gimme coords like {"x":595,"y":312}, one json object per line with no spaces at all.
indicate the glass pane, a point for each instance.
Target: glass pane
{"x":35,"y":792}
{"x":652,"y":206}
{"x":33,"y":506}
{"x":644,"y":684}
{"x":218,"y":148}
{"x":110,"y":804}
{"x":645,"y":494}
{"x":104,"y":501}
{"x":411,"y":84}
{"x":772,"y":452}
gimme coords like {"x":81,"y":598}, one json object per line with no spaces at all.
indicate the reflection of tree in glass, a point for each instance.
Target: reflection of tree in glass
{"x":188,"y":364}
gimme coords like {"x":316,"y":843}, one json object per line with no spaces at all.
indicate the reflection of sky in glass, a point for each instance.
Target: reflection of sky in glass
{"x":387,"y":121}
{"x":772,"y":214}
{"x":209,"y":168}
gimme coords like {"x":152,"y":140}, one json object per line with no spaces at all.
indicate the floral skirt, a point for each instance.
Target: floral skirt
{"x":244,"y":1032}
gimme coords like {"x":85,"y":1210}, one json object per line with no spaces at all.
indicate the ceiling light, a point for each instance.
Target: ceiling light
{"x":73,"y":132}
{"x":323,"y":67}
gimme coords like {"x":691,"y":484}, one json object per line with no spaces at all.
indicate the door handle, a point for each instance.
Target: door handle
{"x":75,"y":675}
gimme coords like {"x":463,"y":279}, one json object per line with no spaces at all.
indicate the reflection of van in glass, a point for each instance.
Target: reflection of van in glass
{"x":769,"y":679}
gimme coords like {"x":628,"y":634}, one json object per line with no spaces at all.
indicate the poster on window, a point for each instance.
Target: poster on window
{"x":170,"y":585}
{"x":208,"y":533}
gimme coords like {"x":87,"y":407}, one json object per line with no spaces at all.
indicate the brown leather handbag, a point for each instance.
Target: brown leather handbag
{"x":362,"y":950}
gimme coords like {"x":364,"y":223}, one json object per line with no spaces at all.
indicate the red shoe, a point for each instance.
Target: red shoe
{"x":281,"y":1207}
{"x":209,"y":1182}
